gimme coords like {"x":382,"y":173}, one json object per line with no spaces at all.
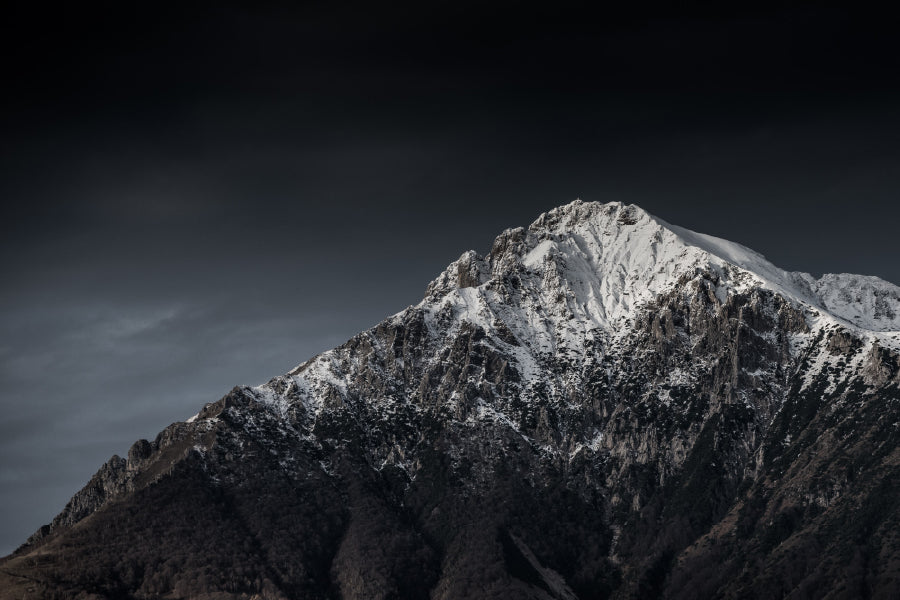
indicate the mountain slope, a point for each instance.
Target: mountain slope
{"x":604,"y":405}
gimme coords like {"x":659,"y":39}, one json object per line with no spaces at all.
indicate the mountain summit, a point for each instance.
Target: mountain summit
{"x":612,"y":258}
{"x":603,"y":406}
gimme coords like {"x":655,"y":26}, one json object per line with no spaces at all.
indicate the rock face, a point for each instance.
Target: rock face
{"x":603,"y":406}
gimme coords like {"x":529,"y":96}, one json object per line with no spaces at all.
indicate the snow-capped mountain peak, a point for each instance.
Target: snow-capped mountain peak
{"x":584,"y":281}
{"x":601,"y":262}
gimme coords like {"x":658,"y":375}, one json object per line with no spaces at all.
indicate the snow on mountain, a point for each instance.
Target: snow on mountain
{"x":610,"y":259}
{"x":867,"y":302}
{"x":579,"y":275}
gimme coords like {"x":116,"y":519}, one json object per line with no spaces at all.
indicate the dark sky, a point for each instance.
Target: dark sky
{"x":204,"y":196}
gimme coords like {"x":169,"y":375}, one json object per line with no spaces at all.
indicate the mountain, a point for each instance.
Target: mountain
{"x":603,"y":406}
